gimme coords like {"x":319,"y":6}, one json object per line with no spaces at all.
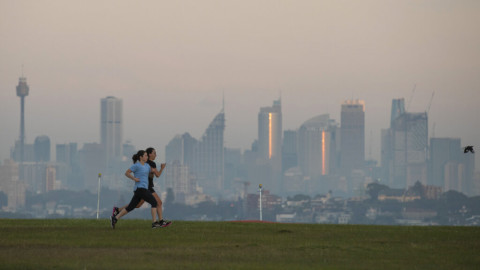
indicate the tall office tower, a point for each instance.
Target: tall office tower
{"x":386,"y":157}
{"x":234,"y":169}
{"x":469,"y":188}
{"x":352,"y":136}
{"x":270,"y":131}
{"x":450,"y":168}
{"x":42,"y":149}
{"x":270,"y":144}
{"x":67,"y":171}
{"x":28,"y":152}
{"x":11,"y":186}
{"x":442,"y":151}
{"x":50,"y":178}
{"x":91,"y":163}
{"x":289,"y":150}
{"x":111,"y":129}
{"x":398,"y":108}
{"x":180,"y":181}
{"x":66,"y":153}
{"x":181,"y":148}
{"x":22,"y":92}
{"x":209,"y":157}
{"x":128,"y":149}
{"x":409,"y":149}
{"x":316,"y":147}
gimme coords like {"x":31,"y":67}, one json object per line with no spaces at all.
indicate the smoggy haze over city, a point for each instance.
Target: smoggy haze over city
{"x":171,"y":62}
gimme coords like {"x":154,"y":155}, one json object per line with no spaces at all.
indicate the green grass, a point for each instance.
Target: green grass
{"x":92,"y":244}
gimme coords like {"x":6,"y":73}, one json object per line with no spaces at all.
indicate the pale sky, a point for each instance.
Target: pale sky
{"x":171,"y":61}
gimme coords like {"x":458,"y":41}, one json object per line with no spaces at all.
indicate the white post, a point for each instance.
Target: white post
{"x":260,"y":190}
{"x":98,"y":196}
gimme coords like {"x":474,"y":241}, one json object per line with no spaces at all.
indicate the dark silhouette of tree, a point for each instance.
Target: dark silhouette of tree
{"x":373,"y":189}
{"x":418,"y":189}
{"x":301,"y":197}
{"x":454,"y":200}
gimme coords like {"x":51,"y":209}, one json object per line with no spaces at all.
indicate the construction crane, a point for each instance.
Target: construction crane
{"x":430,"y":102}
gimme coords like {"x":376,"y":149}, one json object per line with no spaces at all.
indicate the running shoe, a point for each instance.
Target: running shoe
{"x":113,"y":221}
{"x":115,"y":211}
{"x":156,"y":224}
{"x":164,"y":223}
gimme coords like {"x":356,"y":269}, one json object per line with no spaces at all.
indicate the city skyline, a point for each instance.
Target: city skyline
{"x":161,"y":147}
{"x":314,"y":54}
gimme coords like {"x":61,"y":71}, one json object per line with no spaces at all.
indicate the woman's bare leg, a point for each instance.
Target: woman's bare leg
{"x":121,"y":214}
{"x":159,"y":206}
{"x":154,"y":214}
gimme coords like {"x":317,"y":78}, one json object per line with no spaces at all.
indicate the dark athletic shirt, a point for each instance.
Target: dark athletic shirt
{"x":150,"y":175}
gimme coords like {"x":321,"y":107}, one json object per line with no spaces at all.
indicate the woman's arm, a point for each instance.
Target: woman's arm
{"x":158,"y":173}
{"x":128,"y":174}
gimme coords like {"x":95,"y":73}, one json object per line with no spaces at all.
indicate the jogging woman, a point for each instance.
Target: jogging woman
{"x":140,"y":170}
{"x":152,"y":155}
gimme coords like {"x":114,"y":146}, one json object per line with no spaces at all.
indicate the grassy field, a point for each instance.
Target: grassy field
{"x":92,"y":244}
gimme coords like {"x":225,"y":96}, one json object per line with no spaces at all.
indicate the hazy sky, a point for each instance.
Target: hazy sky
{"x":170,"y":62}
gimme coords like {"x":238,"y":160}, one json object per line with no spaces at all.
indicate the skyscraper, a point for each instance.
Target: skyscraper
{"x":22,"y":92}
{"x":442,"y":150}
{"x":10,"y":184}
{"x":270,"y":132}
{"x":316,"y":146}
{"x":398,"y":108}
{"x":450,"y":168}
{"x":269,"y":151}
{"x":181,"y":148}
{"x":209,"y":156}
{"x":352,"y":136}
{"x":409,"y":149}
{"x":42,"y":149}
{"x":111,"y":129}
{"x":68,"y":172}
{"x":179,"y":180}
{"x":289,"y":150}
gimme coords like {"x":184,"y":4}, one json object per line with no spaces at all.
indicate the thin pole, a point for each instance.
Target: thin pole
{"x":98,"y":196}
{"x":260,"y":190}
